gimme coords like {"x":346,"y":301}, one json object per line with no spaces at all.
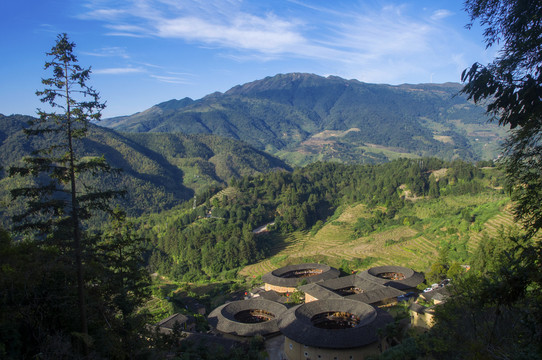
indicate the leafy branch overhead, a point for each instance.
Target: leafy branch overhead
{"x":511,"y":88}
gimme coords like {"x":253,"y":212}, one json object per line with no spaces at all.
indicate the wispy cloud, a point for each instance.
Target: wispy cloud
{"x":383,"y":33}
{"x":358,"y":39}
{"x":441,"y":14}
{"x":48,"y":28}
{"x":118,"y":71}
{"x":103,"y":14}
{"x":127,"y":30}
{"x":171,"y":79}
{"x":264,"y":34}
{"x":219,"y":24}
{"x":109,"y":52}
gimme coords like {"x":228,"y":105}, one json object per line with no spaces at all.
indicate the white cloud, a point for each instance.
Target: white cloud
{"x":126,"y":34}
{"x":220,"y":24}
{"x":104,"y":14}
{"x":128,"y":28}
{"x":118,"y":71}
{"x":393,"y":45}
{"x":441,"y":14}
{"x":109,"y":52}
{"x":348,"y":36}
{"x":267,"y":35}
{"x":371,"y":36}
{"x":171,"y":79}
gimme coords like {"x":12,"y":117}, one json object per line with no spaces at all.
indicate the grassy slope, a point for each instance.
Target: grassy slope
{"x":415,"y":246}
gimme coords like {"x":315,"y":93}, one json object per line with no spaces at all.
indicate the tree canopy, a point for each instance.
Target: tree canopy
{"x":511,"y":88}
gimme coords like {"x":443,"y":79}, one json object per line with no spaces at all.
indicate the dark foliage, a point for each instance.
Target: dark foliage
{"x":511,"y":89}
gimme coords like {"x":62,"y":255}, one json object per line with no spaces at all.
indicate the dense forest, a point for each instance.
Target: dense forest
{"x":159,"y":171}
{"x":217,"y":236}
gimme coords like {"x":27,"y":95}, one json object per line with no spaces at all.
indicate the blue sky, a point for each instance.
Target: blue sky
{"x":143,"y":52}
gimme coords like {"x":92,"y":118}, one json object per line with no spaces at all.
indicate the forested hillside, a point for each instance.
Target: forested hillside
{"x":213,"y":233}
{"x":159,"y":171}
{"x":450,"y":201}
{"x":304,"y":117}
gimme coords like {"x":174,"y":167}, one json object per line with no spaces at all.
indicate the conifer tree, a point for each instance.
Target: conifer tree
{"x":58,"y":201}
{"x":122,"y":284}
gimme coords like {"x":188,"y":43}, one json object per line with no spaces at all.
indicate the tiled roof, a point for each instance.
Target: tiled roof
{"x":438,"y":294}
{"x":411,"y":280}
{"x":270,"y":295}
{"x":296,"y":324}
{"x":371,"y":292}
{"x":420,"y":309}
{"x":319,"y":292}
{"x":170,"y":321}
{"x":223,"y":317}
{"x":274,"y":277}
{"x":376,"y":295}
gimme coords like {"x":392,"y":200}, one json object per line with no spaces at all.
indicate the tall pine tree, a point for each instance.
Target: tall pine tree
{"x":58,"y":201}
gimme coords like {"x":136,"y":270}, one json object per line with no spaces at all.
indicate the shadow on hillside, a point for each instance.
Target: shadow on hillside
{"x":272,"y":243}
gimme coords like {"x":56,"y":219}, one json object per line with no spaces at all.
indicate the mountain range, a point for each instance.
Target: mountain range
{"x":304,"y":117}
{"x":178,"y":148}
{"x":159,"y":170}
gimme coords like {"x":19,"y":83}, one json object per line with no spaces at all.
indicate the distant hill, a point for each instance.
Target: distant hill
{"x":305,"y":117}
{"x":159,"y":170}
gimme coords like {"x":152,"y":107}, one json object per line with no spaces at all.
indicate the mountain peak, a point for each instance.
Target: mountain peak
{"x":297,"y":112}
{"x":174,"y":104}
{"x":279,"y":81}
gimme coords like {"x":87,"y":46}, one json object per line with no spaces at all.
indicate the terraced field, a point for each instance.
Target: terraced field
{"x":400,"y":245}
{"x":230,"y":192}
{"x":495,"y":225}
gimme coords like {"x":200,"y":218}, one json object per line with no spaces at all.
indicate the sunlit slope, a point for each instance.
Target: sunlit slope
{"x":415,"y":246}
{"x":303,"y":118}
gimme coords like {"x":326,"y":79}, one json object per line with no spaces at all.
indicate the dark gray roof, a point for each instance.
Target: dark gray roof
{"x":170,"y":321}
{"x":319,"y":292}
{"x":420,"y":309}
{"x":412,"y":278}
{"x":223,"y":317}
{"x":270,"y":295}
{"x":296,"y":324}
{"x":340,"y":283}
{"x":438,"y":294}
{"x":372,"y":292}
{"x":209,"y":341}
{"x":257,"y":290}
{"x":376,"y":295}
{"x":274,"y":277}
{"x":349,"y":281}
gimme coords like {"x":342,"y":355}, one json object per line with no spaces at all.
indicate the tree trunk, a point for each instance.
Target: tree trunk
{"x":76,"y":228}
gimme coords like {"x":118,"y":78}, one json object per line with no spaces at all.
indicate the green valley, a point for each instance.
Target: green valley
{"x":195,"y":203}
{"x":159,"y":171}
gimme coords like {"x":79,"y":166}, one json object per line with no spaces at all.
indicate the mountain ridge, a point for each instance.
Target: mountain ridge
{"x":278,"y":113}
{"x":159,"y":170}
